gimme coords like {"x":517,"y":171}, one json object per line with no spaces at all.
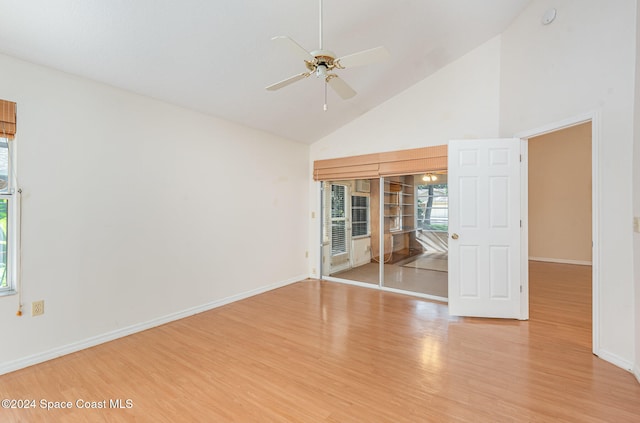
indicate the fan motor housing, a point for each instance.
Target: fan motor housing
{"x":322,"y":57}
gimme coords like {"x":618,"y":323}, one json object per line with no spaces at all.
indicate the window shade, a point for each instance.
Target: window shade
{"x":345,"y":168}
{"x":7,"y":119}
{"x":370,"y":166}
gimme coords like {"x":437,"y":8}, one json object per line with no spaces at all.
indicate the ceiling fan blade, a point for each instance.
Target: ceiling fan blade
{"x":365,"y":57}
{"x":287,"y":81}
{"x":294,"y":47}
{"x":340,"y":87}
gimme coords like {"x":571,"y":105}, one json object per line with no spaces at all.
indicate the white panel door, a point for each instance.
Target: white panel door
{"x":484,"y":228}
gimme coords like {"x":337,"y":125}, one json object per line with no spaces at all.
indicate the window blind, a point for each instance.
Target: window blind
{"x":7,"y":119}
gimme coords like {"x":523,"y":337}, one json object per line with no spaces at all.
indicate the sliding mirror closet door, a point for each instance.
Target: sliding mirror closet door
{"x":414,"y":226}
{"x":347,"y":231}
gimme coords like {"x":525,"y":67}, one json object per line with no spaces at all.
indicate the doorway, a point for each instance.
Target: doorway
{"x":561,"y":241}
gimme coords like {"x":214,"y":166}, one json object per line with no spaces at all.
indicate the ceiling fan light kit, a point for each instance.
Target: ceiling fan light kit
{"x":322,"y":63}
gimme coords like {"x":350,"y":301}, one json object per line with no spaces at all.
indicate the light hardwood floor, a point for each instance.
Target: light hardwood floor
{"x":327,"y":352}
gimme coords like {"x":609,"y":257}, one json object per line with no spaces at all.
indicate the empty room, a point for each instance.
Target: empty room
{"x":320,"y":211}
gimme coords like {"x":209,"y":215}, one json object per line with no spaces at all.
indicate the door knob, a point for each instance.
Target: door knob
{"x":454,"y":236}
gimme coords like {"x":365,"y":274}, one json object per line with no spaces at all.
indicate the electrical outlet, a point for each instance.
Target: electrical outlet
{"x":37,"y":308}
{"x":306,"y":254}
{"x":636,"y":224}
{"x":313,"y":271}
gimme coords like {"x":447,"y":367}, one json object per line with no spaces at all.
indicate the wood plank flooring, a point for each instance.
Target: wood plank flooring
{"x":327,"y":352}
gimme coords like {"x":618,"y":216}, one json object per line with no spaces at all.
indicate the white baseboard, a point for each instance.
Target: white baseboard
{"x":562,"y":261}
{"x":30,"y":360}
{"x":636,"y":372}
{"x":616,"y":361}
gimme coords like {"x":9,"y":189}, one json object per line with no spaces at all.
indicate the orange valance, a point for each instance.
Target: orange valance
{"x":371,"y":166}
{"x":7,"y":119}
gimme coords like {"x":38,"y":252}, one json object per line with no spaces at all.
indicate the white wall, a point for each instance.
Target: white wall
{"x":559,"y":194}
{"x":136,"y":211}
{"x":459,"y":101}
{"x":532,"y":76}
{"x":583,"y":62}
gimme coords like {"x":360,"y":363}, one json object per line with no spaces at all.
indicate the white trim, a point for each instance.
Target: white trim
{"x":596,"y":136}
{"x":319,"y":268}
{"x":562,"y":261}
{"x":562,"y":124}
{"x":13,"y":221}
{"x":8,"y":292}
{"x":524,"y":230}
{"x":636,"y":372}
{"x":381,"y":233}
{"x":615,"y":360}
{"x":594,"y":117}
{"x":21,"y":363}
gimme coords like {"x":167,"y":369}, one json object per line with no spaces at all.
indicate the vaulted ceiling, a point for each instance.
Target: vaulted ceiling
{"x":217,"y":57}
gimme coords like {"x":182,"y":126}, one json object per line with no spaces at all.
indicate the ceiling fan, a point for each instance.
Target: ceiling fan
{"x":322,"y":63}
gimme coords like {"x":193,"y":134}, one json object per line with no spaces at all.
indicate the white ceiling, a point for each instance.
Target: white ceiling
{"x":216,"y":56}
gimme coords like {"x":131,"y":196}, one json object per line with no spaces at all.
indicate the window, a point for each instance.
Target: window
{"x":6,"y":210}
{"x":359,"y":215}
{"x":433,"y":207}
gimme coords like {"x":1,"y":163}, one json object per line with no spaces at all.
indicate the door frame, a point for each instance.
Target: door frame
{"x":595,"y":118}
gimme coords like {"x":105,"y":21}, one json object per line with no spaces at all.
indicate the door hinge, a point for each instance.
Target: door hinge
{"x":521,"y":289}
{"x":521,"y":223}
{"x":520,"y":158}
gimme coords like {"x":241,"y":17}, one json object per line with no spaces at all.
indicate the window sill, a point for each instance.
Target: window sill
{"x":8,"y":293}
